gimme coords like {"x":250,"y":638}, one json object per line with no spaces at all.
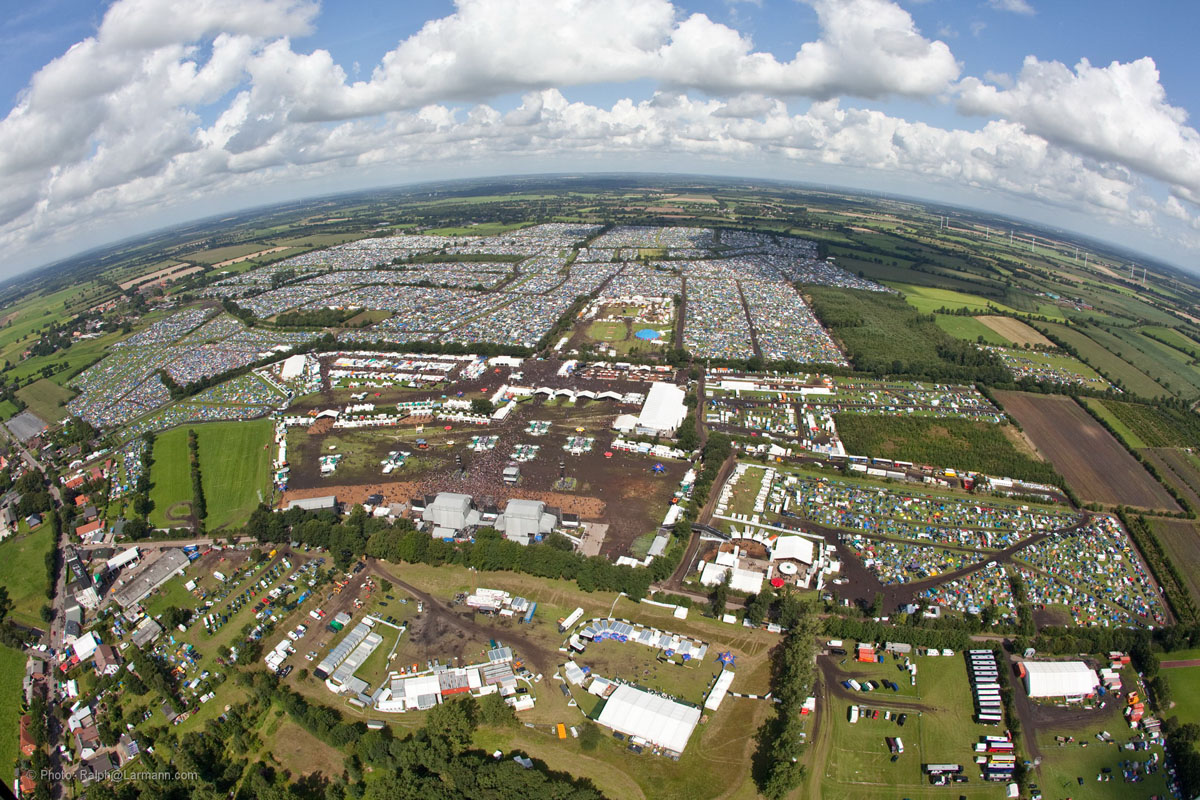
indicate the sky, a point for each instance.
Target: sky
{"x":122,"y":117}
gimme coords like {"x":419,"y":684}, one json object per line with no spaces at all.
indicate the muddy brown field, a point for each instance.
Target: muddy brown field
{"x":1094,"y":463}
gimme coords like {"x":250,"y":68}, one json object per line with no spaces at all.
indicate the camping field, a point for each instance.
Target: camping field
{"x":939,"y":729}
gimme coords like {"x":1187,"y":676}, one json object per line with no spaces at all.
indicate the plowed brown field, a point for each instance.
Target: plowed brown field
{"x":1095,"y":464}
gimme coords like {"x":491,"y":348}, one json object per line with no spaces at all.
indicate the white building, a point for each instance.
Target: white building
{"x":650,"y":718}
{"x":663,"y":411}
{"x":1059,"y":679}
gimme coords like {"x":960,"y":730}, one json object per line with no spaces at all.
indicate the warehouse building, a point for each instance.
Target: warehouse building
{"x":325,"y":503}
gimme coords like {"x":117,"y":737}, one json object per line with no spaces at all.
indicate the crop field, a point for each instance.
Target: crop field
{"x":928,"y":299}
{"x":1174,"y":338}
{"x":46,"y":399}
{"x":1123,"y":431}
{"x":1156,"y":426}
{"x":1169,"y":367}
{"x":1095,"y":354}
{"x":1178,"y":468}
{"x":961,"y":444}
{"x":1014,"y":330}
{"x":970,"y":329}
{"x":23,"y":573}
{"x":12,"y":671}
{"x":1092,"y":461}
{"x":1181,"y":541}
{"x":881,"y":333}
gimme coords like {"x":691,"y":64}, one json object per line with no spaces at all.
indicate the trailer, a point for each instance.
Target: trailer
{"x":529,"y":614}
{"x":567,"y":622}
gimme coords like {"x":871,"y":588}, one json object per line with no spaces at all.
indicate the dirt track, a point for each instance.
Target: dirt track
{"x":1089,"y":457}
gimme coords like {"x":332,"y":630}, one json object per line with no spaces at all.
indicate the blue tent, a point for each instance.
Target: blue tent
{"x":648,"y":334}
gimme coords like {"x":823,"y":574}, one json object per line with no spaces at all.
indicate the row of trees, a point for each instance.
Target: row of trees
{"x":776,"y":768}
{"x":199,"y":507}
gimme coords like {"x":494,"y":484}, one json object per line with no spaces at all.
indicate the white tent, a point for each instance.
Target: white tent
{"x":664,"y":409}
{"x":293,"y":367}
{"x":647,"y":716}
{"x":1059,"y":679}
{"x":796,"y":547}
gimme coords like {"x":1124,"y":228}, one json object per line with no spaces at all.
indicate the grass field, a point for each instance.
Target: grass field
{"x":12,"y":671}
{"x":970,"y":329}
{"x":1117,"y":369}
{"x":170,"y":479}
{"x":46,"y":399}
{"x":8,"y":410}
{"x":23,"y":573}
{"x":1185,"y":687}
{"x":235,"y":462}
{"x":234,"y":465}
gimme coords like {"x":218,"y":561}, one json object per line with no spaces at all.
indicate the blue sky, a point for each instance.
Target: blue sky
{"x":124,"y":116}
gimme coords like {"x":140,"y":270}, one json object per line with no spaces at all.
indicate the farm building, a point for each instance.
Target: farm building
{"x":651,"y":717}
{"x":1059,"y":678}
{"x":663,"y":411}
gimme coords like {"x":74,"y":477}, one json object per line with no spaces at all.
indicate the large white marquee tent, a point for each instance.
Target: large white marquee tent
{"x":660,"y":721}
{"x":1059,"y":679}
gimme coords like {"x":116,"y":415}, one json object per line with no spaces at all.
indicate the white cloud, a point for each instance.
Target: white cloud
{"x":1014,"y":6}
{"x":1117,"y":114}
{"x":134,"y":145}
